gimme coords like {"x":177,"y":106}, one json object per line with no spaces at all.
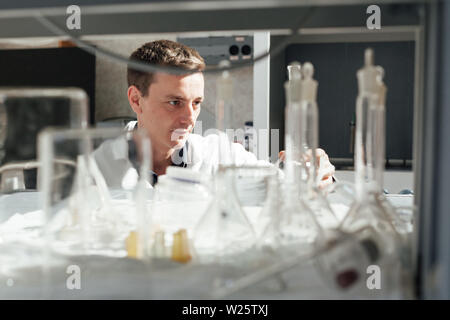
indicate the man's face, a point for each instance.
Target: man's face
{"x":170,"y":109}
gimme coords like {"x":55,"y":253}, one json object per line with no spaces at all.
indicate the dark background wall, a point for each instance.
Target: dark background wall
{"x":336,"y":65}
{"x":50,"y":67}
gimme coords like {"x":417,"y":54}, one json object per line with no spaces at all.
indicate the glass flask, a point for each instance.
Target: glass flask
{"x":268,"y":224}
{"x":224,"y":234}
{"x":370,"y":217}
{"x":95,"y":187}
{"x":24,"y":112}
{"x":180,"y":198}
{"x":370,"y":206}
{"x":299,"y":228}
{"x":255,"y":192}
{"x":346,"y":257}
{"x":309,"y":124}
{"x":224,"y":229}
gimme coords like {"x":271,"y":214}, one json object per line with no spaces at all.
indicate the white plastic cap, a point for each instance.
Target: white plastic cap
{"x":308,"y":84}
{"x":370,"y":77}
{"x":292,"y":86}
{"x":294,"y":71}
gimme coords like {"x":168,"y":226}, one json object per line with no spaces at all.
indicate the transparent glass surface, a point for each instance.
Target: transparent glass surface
{"x":370,"y":210}
{"x":308,"y":122}
{"x":224,"y":234}
{"x":95,"y":186}
{"x":24,"y":112}
{"x":181,"y":197}
{"x":347,"y":258}
{"x":298,"y":225}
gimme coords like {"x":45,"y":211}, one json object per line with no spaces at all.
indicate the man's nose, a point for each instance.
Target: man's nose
{"x":188,"y":114}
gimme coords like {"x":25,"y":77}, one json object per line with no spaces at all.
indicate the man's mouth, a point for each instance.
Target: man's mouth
{"x":179,"y":133}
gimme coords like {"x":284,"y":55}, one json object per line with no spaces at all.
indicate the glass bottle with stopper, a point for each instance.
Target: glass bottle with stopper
{"x":299,"y":228}
{"x":369,"y":223}
{"x":370,"y":206}
{"x":309,"y":123}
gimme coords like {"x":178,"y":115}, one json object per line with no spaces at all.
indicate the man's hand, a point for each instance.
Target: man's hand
{"x":325,"y":171}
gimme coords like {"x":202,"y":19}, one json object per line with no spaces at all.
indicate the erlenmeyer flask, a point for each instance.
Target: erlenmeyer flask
{"x":224,"y":234}
{"x":298,"y":226}
{"x":268,"y":225}
{"x":87,"y":210}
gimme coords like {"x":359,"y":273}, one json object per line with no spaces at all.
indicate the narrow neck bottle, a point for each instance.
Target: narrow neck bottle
{"x":370,"y":143}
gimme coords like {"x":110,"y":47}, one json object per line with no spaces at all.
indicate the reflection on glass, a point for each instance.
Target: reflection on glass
{"x":24,"y":112}
{"x":224,"y":233}
{"x":299,"y":228}
{"x":94,"y":185}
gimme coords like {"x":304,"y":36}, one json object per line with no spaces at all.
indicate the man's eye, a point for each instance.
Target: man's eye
{"x":174,"y":103}
{"x":197,"y":103}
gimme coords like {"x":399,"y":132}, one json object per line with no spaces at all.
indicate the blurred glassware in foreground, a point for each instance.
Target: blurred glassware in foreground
{"x":308,"y":123}
{"x":24,"y":112}
{"x":299,"y":228}
{"x":180,"y":197}
{"x":224,"y":234}
{"x":97,"y":197}
{"x":367,"y":235}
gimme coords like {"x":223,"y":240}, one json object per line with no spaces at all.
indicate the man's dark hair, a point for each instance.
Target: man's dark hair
{"x":163,"y":53}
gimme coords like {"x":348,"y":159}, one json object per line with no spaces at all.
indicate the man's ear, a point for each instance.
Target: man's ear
{"x":134,"y":98}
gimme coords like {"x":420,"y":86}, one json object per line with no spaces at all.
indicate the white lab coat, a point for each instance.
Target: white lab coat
{"x":202,"y":156}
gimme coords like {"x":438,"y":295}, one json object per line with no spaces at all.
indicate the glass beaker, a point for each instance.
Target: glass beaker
{"x":24,"y":112}
{"x":181,"y":197}
{"x":95,"y":186}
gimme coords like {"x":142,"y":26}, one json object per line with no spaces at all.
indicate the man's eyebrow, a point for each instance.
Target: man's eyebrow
{"x":174,"y":97}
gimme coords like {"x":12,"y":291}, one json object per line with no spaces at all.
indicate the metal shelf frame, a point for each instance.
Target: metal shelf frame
{"x":427,"y":22}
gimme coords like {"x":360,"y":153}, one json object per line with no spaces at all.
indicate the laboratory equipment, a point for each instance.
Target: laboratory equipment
{"x":180,"y":197}
{"x":299,"y":228}
{"x":249,"y":139}
{"x":224,"y":230}
{"x":310,"y":164}
{"x":370,"y":205}
{"x":181,"y":249}
{"x":224,"y":117}
{"x":23,"y":113}
{"x":369,"y":223}
{"x":268,"y":224}
{"x":224,"y":234}
{"x":97,"y":198}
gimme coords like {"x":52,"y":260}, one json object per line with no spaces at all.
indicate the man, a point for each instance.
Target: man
{"x":167,"y":107}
